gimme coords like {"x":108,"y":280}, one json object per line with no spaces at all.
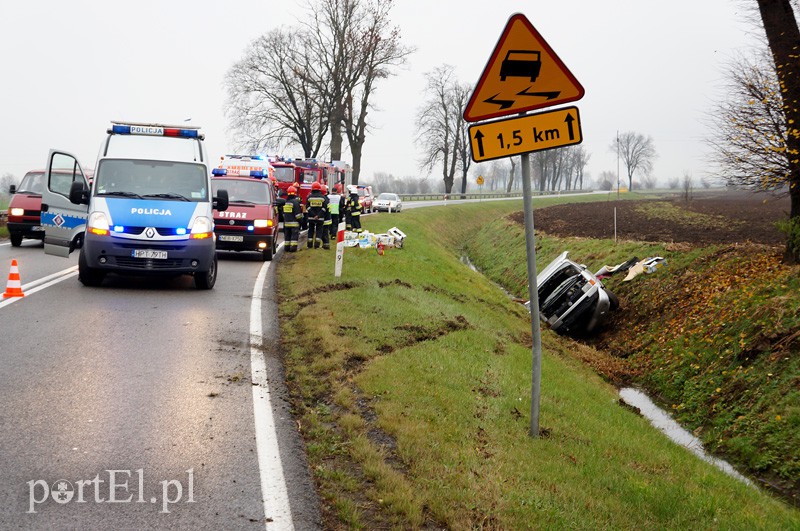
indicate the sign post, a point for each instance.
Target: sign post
{"x":337,"y":269}
{"x":524,"y":74}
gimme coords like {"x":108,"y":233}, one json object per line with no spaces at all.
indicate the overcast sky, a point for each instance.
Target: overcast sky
{"x":69,"y":68}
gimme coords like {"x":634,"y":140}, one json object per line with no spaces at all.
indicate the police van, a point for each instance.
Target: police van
{"x":147,"y":211}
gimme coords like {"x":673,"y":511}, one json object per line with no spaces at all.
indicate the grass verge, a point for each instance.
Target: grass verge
{"x":410,"y":377}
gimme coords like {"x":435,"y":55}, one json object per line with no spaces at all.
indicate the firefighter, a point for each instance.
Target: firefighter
{"x":292,"y":215}
{"x":317,"y":212}
{"x":354,"y":209}
{"x":326,"y":225}
{"x":335,"y":208}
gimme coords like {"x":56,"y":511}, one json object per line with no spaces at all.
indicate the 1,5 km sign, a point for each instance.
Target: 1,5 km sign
{"x":524,"y":134}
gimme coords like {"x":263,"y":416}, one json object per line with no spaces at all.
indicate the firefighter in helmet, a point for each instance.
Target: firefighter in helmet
{"x":292,"y":215}
{"x":317,"y":212}
{"x":353,"y":210}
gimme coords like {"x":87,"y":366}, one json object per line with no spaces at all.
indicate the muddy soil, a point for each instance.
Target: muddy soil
{"x":710,"y":217}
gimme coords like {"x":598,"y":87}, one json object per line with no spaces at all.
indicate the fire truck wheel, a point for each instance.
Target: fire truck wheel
{"x":269,"y":252}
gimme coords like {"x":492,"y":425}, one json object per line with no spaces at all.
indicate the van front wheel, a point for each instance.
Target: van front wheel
{"x":207,"y":279}
{"x":89,"y":276}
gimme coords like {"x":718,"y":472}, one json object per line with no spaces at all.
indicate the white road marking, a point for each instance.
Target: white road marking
{"x":273,"y":484}
{"x":41,"y":283}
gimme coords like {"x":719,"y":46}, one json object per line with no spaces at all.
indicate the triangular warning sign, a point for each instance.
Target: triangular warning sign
{"x":522,"y":74}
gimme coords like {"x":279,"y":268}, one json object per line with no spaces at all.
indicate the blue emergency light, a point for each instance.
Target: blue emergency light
{"x":219,"y":171}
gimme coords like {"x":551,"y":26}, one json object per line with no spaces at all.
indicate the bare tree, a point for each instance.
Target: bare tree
{"x":783,"y":36}
{"x":439,"y":124}
{"x":606,"y":180}
{"x":6,"y":181}
{"x":337,"y":64}
{"x":272,"y":104}
{"x":749,"y":127}
{"x":637,"y":153}
{"x":511,"y":173}
{"x":687,"y":185}
{"x":379,"y":43}
{"x":463,"y":150}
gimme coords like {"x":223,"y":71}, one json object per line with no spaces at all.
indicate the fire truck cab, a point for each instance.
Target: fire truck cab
{"x":251,"y":221}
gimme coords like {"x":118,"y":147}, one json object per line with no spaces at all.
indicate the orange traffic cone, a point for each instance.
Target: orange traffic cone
{"x":14,"y":286}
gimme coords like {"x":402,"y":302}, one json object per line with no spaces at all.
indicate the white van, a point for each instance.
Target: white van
{"x":147,"y":211}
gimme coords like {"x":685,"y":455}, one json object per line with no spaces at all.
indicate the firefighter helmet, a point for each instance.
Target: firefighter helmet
{"x":291,"y":190}
{"x":337,"y":188}
{"x":316,"y":186}
{"x":324,"y":189}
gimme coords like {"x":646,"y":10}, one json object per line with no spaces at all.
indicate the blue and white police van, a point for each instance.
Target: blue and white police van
{"x":148,"y":209}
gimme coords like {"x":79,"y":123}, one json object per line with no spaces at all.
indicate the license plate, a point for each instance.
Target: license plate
{"x":226,"y":238}
{"x":149,"y":253}
{"x":37,"y":228}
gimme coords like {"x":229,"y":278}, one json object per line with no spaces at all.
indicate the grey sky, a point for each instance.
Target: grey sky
{"x":69,"y":68}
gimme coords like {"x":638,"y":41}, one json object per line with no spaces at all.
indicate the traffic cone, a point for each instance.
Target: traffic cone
{"x":14,"y":286}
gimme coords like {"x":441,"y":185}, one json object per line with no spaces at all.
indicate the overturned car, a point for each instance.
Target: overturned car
{"x":571,"y":299}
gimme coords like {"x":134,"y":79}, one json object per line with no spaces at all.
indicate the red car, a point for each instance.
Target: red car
{"x":25,"y":207}
{"x":365,"y":198}
{"x":251,"y":221}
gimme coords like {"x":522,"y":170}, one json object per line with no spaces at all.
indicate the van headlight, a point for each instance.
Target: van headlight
{"x":16,"y":212}
{"x":98,"y":223}
{"x":261,"y":223}
{"x":202,"y":228}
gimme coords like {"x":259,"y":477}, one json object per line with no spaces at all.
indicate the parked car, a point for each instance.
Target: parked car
{"x":571,"y":299}
{"x":250,"y":222}
{"x":25,"y":206}
{"x":365,"y":197}
{"x":387,"y":202}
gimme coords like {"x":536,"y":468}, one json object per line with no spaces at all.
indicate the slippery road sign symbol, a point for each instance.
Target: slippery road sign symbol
{"x":522,"y":74}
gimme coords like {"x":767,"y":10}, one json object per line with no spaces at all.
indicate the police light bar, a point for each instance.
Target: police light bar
{"x":155,"y":130}
{"x":241,"y":173}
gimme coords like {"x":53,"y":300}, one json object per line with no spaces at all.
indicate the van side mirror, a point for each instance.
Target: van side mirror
{"x":78,"y":194}
{"x":12,"y":189}
{"x":220,"y":202}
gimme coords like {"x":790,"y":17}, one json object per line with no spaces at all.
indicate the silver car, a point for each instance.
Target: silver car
{"x":388,"y":203}
{"x":571,"y":299}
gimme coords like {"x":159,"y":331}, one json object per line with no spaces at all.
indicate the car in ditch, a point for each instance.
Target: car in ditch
{"x":571,"y":299}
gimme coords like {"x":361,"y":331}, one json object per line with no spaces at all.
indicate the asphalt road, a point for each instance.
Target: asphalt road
{"x":133,"y":405}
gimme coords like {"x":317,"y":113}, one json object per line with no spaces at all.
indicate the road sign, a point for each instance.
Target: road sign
{"x":523,"y":74}
{"x":480,"y":180}
{"x":524,"y":134}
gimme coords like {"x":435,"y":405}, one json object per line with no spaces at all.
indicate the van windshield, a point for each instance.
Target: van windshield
{"x":33,"y":182}
{"x":148,"y":179}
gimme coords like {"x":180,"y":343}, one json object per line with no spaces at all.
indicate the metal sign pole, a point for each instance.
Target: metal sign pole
{"x":533,"y":295}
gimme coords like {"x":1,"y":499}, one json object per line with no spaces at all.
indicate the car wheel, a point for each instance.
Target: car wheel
{"x":16,"y":239}
{"x":613,"y":299}
{"x":207,"y":279}
{"x":89,"y":276}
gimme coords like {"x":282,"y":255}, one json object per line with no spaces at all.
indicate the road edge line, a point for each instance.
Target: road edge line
{"x":274,"y":494}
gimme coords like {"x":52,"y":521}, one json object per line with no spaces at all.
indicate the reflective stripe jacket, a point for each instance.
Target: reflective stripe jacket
{"x":292,"y":213}
{"x":317,"y":205}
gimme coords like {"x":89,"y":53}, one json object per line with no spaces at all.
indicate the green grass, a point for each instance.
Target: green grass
{"x":410,"y":377}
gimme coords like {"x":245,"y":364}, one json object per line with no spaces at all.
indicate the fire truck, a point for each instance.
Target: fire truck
{"x":257,"y":166}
